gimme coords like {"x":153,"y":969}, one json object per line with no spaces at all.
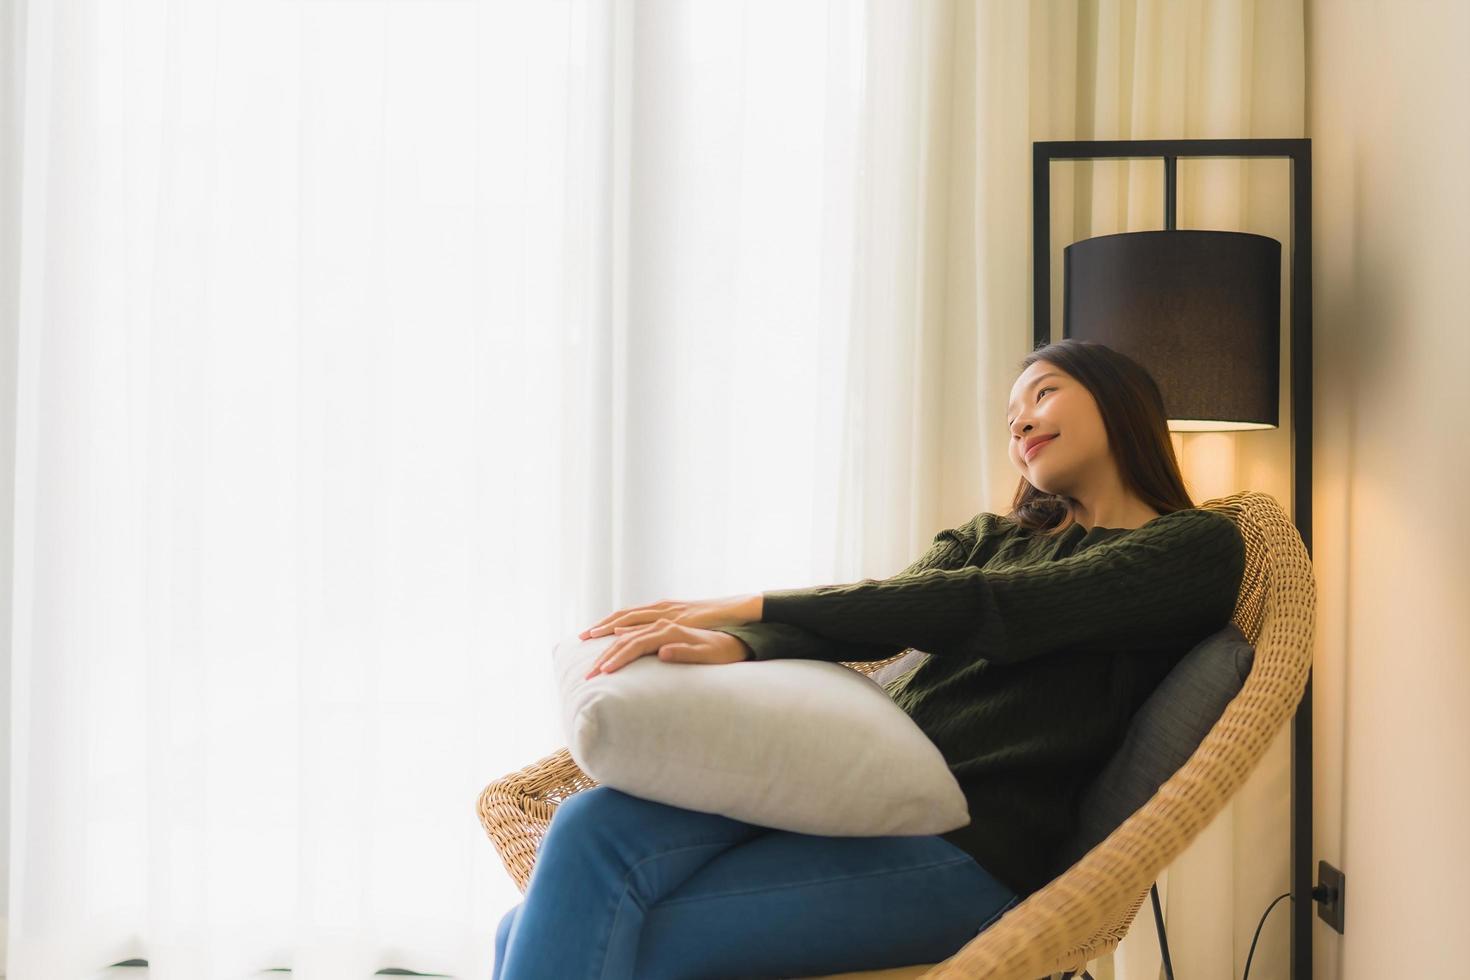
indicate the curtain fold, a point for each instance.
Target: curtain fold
{"x":362,"y":350}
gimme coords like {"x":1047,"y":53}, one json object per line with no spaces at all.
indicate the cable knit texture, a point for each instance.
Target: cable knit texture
{"x":1038,"y":651}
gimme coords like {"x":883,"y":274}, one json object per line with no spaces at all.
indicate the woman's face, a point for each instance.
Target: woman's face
{"x":1046,"y":401}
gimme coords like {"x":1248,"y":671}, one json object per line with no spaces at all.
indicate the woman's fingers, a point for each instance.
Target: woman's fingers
{"x":605,"y":658}
{"x":671,"y":642}
{"x":631,"y":645}
{"x":600,"y":627}
{"x":634,"y":616}
{"x":596,"y":628}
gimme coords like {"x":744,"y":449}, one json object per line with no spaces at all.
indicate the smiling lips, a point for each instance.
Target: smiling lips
{"x":1036,"y":446}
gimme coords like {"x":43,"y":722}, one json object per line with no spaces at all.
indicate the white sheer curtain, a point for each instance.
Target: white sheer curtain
{"x":364,"y":348}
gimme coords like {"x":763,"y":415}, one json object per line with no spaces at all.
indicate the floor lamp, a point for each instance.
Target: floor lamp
{"x":1201,"y":310}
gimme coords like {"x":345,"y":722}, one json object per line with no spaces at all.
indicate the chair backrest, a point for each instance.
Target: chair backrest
{"x":1087,"y":908}
{"x":1163,"y":733}
{"x":1161,"y":737}
{"x":1175,"y":719}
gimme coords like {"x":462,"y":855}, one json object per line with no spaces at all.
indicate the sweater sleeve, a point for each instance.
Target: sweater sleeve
{"x":768,"y":640}
{"x":1173,"y":579}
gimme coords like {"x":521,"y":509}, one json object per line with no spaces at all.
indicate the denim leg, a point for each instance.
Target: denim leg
{"x":607,"y":856}
{"x":797,"y":905}
{"x":502,"y":939}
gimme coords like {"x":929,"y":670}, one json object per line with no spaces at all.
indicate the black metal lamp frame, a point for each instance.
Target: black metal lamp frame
{"x":1299,"y":153}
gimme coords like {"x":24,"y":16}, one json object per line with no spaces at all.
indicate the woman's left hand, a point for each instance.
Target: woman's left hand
{"x":729,"y":611}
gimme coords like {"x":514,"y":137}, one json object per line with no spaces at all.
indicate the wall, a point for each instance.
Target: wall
{"x":1388,"y":88}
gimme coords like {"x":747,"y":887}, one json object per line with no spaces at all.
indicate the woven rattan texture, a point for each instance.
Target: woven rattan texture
{"x":1086,"y":911}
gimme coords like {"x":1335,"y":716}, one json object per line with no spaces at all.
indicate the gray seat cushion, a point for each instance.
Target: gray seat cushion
{"x":1162,"y":736}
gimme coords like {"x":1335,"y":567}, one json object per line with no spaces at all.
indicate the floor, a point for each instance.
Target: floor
{"x":141,"y":973}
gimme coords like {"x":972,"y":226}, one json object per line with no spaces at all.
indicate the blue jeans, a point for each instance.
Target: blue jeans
{"x":626,"y":888}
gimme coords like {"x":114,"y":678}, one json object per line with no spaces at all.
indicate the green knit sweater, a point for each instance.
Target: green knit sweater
{"x":1037,"y":652}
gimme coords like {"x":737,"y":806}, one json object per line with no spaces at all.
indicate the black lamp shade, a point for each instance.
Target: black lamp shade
{"x":1200,"y":310}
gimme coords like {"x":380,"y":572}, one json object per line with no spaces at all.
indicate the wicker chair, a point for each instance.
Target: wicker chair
{"x":1086,"y":911}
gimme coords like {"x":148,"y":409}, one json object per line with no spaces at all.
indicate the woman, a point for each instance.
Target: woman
{"x":1041,"y":632}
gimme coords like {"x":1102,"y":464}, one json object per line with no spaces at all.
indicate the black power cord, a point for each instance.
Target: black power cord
{"x":1252,"y":953}
{"x":1320,"y":893}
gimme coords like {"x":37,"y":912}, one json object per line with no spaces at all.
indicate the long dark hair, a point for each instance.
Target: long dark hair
{"x":1132,"y":410}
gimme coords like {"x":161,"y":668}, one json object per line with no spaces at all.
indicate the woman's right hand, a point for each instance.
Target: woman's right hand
{"x":672,"y":642}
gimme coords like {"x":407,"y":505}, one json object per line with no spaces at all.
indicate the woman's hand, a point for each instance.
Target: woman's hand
{"x":729,"y":611}
{"x":672,"y":642}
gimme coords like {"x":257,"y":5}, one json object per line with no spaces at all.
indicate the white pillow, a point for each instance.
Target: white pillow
{"x":798,"y":745}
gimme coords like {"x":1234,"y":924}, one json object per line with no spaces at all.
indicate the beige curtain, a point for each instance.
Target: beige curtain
{"x":1146,"y":69}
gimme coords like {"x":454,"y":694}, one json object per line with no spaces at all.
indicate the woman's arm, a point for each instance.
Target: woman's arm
{"x":782,"y":641}
{"x":1167,"y":583}
{"x":785,"y":641}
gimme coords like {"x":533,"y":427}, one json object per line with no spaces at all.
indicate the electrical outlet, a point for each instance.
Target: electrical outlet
{"x":1330,"y":894}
